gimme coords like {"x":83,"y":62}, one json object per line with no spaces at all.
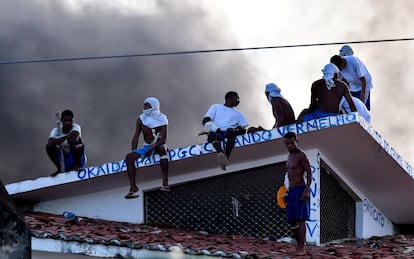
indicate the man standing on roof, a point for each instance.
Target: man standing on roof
{"x":153,"y":126}
{"x":282,"y":110}
{"x":298,"y":208}
{"x":224,"y":121}
{"x":326,"y":95}
{"x":356,"y":75}
{"x":65,"y":144}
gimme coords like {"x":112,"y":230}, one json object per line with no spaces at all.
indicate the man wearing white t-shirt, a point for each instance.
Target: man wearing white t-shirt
{"x":65,"y":144}
{"x":224,"y":121}
{"x":356,"y":75}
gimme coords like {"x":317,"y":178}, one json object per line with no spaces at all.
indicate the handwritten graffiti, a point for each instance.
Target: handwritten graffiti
{"x":205,"y":148}
{"x":386,"y":146}
{"x":373,"y":213}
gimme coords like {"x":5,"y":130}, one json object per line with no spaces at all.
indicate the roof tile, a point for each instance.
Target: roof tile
{"x":168,"y":238}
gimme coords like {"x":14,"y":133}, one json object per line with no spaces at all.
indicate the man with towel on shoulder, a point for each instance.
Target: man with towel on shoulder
{"x":282,"y":110}
{"x":327,"y":93}
{"x":153,"y":125}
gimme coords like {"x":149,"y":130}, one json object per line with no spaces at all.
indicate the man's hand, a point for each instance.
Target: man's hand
{"x":305,"y":195}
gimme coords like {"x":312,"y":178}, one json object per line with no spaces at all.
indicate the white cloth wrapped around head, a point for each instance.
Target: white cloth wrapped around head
{"x":153,"y":117}
{"x":329,"y":72}
{"x":346,"y":50}
{"x":273,"y":90}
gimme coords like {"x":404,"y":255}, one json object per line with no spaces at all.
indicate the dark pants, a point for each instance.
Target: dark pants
{"x":230,"y":134}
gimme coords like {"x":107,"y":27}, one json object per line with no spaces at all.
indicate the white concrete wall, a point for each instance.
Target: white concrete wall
{"x":313,"y":226}
{"x":371,"y":221}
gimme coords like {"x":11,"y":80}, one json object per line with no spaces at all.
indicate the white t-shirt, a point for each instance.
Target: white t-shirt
{"x":353,"y":71}
{"x":359,"y":105}
{"x":54,"y":133}
{"x":226,"y":117}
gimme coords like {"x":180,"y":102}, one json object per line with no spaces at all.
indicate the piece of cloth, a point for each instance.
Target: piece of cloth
{"x":352,"y":73}
{"x":329,"y":72}
{"x":360,"y":106}
{"x":297,"y":209}
{"x":54,"y":133}
{"x":226,"y":117}
{"x":153,"y":117}
{"x":317,"y":114}
{"x":141,"y":151}
{"x":367,"y":97}
{"x":273,"y":90}
{"x":71,"y":156}
{"x":346,"y":50}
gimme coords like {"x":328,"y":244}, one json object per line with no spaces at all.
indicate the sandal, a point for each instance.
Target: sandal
{"x":131,"y":195}
{"x":55,"y":173}
{"x":165,"y":188}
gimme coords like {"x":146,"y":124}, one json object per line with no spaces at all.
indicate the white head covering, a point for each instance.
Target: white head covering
{"x":346,"y":50}
{"x":274,"y":90}
{"x":152,"y":117}
{"x":329,"y":71}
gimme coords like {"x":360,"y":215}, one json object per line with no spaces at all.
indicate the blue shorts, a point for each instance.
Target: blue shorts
{"x":69,"y":158}
{"x":144,"y":149}
{"x":297,"y":209}
{"x":317,"y":114}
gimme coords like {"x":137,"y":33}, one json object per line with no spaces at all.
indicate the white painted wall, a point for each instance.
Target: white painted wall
{"x":371,"y":221}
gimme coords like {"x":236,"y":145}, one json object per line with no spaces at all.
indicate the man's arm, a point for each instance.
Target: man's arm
{"x":307,"y":169}
{"x":162,"y":137}
{"x":72,"y":138}
{"x":138,"y":130}
{"x":363,"y":88}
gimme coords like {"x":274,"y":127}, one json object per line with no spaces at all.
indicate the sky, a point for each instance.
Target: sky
{"x":106,"y":95}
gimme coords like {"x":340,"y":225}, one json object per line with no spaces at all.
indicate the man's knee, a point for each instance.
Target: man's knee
{"x":212,"y":136}
{"x":131,"y":156}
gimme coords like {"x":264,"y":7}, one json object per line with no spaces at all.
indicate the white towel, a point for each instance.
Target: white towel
{"x":329,"y":72}
{"x":273,"y":90}
{"x":152,"y":117}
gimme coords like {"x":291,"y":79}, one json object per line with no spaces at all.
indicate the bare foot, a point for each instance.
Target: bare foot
{"x":300,"y":252}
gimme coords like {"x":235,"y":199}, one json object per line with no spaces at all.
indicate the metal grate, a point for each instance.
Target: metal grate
{"x":337,"y":212}
{"x":241,"y":203}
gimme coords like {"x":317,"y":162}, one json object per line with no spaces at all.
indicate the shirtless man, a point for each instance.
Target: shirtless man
{"x":298,"y":210}
{"x":281,"y":108}
{"x":153,"y":125}
{"x":327,"y":93}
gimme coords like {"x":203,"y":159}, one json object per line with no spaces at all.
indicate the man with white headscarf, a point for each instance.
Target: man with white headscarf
{"x":327,"y":93}
{"x":346,"y":50}
{"x":153,"y":125}
{"x":282,"y":110}
{"x":356,"y":75}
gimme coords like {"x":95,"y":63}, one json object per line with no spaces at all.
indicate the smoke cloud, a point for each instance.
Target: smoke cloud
{"x":106,"y":95}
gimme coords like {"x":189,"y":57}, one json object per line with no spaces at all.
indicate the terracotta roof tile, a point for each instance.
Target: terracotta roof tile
{"x":167,"y":238}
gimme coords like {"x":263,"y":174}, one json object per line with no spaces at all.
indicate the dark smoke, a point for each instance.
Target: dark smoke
{"x":105,"y":95}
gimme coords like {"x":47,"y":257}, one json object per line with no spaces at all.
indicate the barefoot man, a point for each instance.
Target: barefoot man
{"x":298,"y":194}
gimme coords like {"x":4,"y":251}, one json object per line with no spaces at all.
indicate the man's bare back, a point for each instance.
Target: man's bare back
{"x":328,"y":100}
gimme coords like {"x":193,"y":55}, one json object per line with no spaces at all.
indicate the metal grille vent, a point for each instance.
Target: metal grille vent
{"x":337,"y":212}
{"x":241,"y":203}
